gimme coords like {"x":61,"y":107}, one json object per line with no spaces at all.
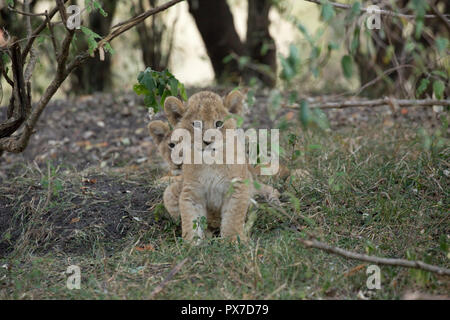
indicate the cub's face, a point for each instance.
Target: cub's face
{"x":205,"y":110}
{"x":160,"y":132}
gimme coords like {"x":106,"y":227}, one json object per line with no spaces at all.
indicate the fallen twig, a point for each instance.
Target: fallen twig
{"x":373,"y":259}
{"x":376,"y":103}
{"x":163,"y":283}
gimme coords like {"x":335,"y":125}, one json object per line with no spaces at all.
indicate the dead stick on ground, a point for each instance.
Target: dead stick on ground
{"x":162,"y":285}
{"x":377,"y":103}
{"x":373,"y":259}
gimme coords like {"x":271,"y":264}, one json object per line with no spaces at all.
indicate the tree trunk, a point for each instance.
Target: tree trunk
{"x":260,"y":44}
{"x":95,"y":75}
{"x":215,"y":23}
{"x":152,"y":40}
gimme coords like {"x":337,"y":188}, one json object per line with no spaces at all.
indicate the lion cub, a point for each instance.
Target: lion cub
{"x":206,"y":188}
{"x":161,"y":134}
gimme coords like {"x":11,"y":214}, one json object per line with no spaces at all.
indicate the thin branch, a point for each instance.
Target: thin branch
{"x":376,"y":103}
{"x":37,"y":31}
{"x":17,"y":144}
{"x":440,"y":16}
{"x":146,"y":14}
{"x":52,"y":33}
{"x":62,"y":11}
{"x":373,"y":259}
{"x":163,"y":284}
{"x":121,"y":28}
{"x":5,"y":75}
{"x":381,"y":11}
{"x":31,"y":63}
{"x":25,"y":13}
{"x":20,"y":103}
{"x":381,"y":76}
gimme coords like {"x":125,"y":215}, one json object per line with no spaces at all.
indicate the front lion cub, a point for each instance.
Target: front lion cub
{"x":161,"y":134}
{"x":218,"y":192}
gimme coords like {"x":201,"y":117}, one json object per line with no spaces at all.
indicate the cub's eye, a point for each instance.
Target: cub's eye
{"x":197,"y":124}
{"x":171,"y":145}
{"x":219,"y":124}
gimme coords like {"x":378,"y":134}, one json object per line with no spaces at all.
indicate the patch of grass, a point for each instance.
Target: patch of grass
{"x":378,"y":190}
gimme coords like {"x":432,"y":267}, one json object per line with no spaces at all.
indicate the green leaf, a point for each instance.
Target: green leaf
{"x":439,"y":73}
{"x":173,"y":86}
{"x":305,"y":113}
{"x":438,"y":89}
{"x":148,"y":81}
{"x":164,"y":96}
{"x":441,"y":44}
{"x":264,"y":48}
{"x":294,"y":56}
{"x":150,"y":102}
{"x":227,"y":58}
{"x":108,"y":48}
{"x":419,"y":28}
{"x":182,"y":91}
{"x":157,"y":86}
{"x":239,"y":120}
{"x":287,"y":73}
{"x":355,"y":41}
{"x":347,"y":66}
{"x":293,"y":96}
{"x":139,"y":89}
{"x":243,"y":61}
{"x":333,"y":45}
{"x":290,"y":64}
{"x":327,"y":11}
{"x":422,"y":87}
{"x":443,"y":244}
{"x":92,"y":5}
{"x":5,"y":58}
{"x":91,"y":36}
{"x":356,"y":9}
{"x":305,"y":32}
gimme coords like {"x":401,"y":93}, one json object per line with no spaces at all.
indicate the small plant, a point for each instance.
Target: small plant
{"x":157,"y":86}
{"x":200,"y":223}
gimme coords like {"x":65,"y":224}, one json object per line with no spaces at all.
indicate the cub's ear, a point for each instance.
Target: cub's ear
{"x":234,"y":102}
{"x":174,"y":110}
{"x":158,"y":130}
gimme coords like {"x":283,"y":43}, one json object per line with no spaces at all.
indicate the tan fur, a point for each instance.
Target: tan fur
{"x":206,"y":188}
{"x":160,"y":132}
